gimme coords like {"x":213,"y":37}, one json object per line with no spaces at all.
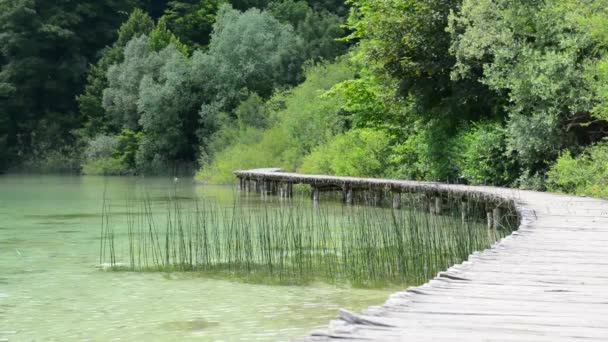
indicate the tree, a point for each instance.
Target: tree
{"x":124,"y":79}
{"x":161,"y":37}
{"x":45,"y":49}
{"x":192,"y":20}
{"x":249,"y":52}
{"x":90,"y":102}
{"x":243,"y":5}
{"x":168,"y":112}
{"x":532,"y":54}
{"x":403,"y":49}
{"x":320,"y":30}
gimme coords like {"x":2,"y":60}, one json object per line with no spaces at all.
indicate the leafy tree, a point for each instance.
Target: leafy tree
{"x":124,"y":79}
{"x":244,"y":5}
{"x":289,"y":11}
{"x":320,"y":30}
{"x":90,"y":102}
{"x":4,"y":131}
{"x":252,"y":112}
{"x":45,"y":48}
{"x":405,"y":41}
{"x":192,"y":20}
{"x":161,"y":37}
{"x":300,"y":120}
{"x":168,"y":111}
{"x":155,"y":8}
{"x":249,"y":51}
{"x":532,"y":54}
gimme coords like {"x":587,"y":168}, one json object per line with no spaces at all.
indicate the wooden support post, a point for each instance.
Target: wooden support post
{"x":490,"y":219}
{"x":463,"y":210}
{"x":274,"y":187}
{"x":438,"y":205}
{"x":377,"y":197}
{"x":290,"y":190}
{"x":396,"y":200}
{"x":347,"y":194}
{"x":316,"y":195}
{"x":496,"y":217}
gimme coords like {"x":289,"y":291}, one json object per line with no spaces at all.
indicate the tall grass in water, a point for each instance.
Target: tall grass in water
{"x":294,"y":243}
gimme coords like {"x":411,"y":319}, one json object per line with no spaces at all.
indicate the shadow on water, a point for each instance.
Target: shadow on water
{"x":197,"y":325}
{"x":61,"y":217}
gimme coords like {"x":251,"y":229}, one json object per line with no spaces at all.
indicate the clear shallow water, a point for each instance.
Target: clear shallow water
{"x":51,"y":288}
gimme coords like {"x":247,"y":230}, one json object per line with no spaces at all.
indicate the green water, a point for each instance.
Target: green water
{"x":51,"y":288}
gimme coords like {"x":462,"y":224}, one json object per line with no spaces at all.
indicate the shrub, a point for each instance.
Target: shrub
{"x":586,"y":174}
{"x":482,"y":156}
{"x":357,"y":153}
{"x":100,"y":147}
{"x":105,"y":166}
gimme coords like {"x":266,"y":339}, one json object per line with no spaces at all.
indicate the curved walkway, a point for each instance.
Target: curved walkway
{"x":548,"y":281}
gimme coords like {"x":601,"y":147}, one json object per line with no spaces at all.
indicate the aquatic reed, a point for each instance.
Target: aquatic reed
{"x":295,"y":242}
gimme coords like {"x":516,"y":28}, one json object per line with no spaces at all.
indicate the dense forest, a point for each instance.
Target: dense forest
{"x":498,"y":92}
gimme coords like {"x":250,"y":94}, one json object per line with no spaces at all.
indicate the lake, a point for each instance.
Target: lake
{"x":52,"y":288}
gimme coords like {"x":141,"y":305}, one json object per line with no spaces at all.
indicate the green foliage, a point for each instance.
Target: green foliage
{"x":121,"y":96}
{"x":111,"y":155}
{"x":357,"y":153}
{"x":105,"y":167}
{"x":532,"y":54}
{"x":161,"y":37}
{"x":319,"y":30}
{"x":302,"y":119}
{"x":168,"y":111}
{"x":293,"y":12}
{"x":90,"y":102}
{"x":252,"y":112}
{"x":192,"y":20}
{"x":482,"y":156}
{"x":586,"y":174}
{"x":100,"y":147}
{"x":250,"y":50}
{"x":427,"y":153}
{"x":125,"y":150}
{"x":404,"y":43}
{"x":45,"y":47}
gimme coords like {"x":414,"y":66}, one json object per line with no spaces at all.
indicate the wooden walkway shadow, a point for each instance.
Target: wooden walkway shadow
{"x":548,"y":281}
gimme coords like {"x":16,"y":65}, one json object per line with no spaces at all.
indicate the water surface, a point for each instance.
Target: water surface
{"x":51,"y":288}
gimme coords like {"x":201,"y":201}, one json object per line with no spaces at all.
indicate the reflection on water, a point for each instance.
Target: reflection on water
{"x":52,"y":289}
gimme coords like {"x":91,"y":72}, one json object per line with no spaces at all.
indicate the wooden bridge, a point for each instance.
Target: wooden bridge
{"x":548,"y":281}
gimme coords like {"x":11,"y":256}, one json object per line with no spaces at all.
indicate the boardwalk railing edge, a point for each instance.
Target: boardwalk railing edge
{"x":343,"y":326}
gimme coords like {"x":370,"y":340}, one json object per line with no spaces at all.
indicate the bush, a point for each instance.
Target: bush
{"x":100,"y":147}
{"x":427,"y":153}
{"x":586,"y":174}
{"x":299,"y":120}
{"x":482,"y":156}
{"x":357,"y":153}
{"x":111,"y":155}
{"x":66,"y":160}
{"x":105,"y":166}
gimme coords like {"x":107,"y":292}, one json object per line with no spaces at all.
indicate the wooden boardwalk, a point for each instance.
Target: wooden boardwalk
{"x":548,"y":281}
